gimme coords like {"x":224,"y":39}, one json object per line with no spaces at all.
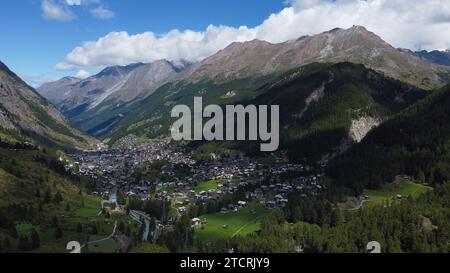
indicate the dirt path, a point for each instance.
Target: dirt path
{"x":244,"y":226}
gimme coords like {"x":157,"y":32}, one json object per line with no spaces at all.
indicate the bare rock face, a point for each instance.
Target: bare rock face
{"x":315,"y":96}
{"x":362,"y":126}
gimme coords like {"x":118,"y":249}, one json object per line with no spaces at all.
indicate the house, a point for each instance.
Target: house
{"x":271,"y":205}
{"x":242,"y":204}
{"x":196,"y":221}
{"x":278,"y":197}
{"x":232,"y":207}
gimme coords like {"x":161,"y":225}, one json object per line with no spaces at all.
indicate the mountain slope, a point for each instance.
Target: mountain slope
{"x":415,"y":142}
{"x":93,"y":101}
{"x":59,"y":90}
{"x":24,"y":112}
{"x":35,"y":188}
{"x":324,"y":108}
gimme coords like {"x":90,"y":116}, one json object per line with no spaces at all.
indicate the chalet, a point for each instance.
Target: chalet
{"x":271,"y":205}
{"x":242,"y":204}
{"x":196,"y":221}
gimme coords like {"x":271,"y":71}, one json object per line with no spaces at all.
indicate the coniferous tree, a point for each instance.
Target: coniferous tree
{"x":58,"y":233}
{"x":57,"y":199}
{"x":35,"y":240}
{"x":79,"y":228}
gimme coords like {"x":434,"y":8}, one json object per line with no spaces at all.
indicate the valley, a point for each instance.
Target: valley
{"x":364,"y":146}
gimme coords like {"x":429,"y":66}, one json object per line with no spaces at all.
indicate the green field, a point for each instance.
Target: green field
{"x":402,"y":187}
{"x":243,"y":222}
{"x":207,"y":185}
{"x":88,"y":206}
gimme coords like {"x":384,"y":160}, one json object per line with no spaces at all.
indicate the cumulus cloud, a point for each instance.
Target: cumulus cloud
{"x":55,"y":11}
{"x":414,"y":24}
{"x":80,"y":2}
{"x":61,"y":10}
{"x":83,"y":74}
{"x":101,"y":12}
{"x":36,"y":81}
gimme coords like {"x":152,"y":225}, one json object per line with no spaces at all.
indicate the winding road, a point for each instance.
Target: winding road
{"x":102,"y":240}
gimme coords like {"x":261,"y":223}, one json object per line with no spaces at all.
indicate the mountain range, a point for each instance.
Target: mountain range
{"x":114,"y":87}
{"x":349,"y":102}
{"x":357,"y":45}
{"x":441,"y":57}
{"x":100,"y":105}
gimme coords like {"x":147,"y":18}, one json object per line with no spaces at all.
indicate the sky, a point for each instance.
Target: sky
{"x":42,"y":40}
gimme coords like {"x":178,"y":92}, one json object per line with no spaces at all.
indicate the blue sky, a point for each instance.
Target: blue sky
{"x":42,"y":40}
{"x":32,"y":45}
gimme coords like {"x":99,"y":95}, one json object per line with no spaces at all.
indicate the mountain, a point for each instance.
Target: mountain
{"x":435,"y":56}
{"x":324,"y":108}
{"x":416,"y":142}
{"x":88,"y":92}
{"x":35,"y":187}
{"x":84,"y":101}
{"x":357,"y":45}
{"x":25,"y":113}
{"x":52,"y":90}
{"x":132,"y":99}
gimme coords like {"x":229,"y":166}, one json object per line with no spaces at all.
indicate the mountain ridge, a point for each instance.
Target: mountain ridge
{"x":355,"y":44}
{"x":98,"y":110}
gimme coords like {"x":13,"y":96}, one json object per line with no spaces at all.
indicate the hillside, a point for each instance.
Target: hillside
{"x":93,"y":101}
{"x":151,"y":116}
{"x":324,"y":108}
{"x":414,"y":142}
{"x":26,"y":114}
{"x":38,"y":197}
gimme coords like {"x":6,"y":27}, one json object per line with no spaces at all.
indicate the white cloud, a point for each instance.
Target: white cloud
{"x":36,"y":81}
{"x":414,"y":24}
{"x":64,"y":66}
{"x":54,"y":11}
{"x":101,"y":12}
{"x":83,"y":74}
{"x":79,"y":2}
{"x":61,"y":10}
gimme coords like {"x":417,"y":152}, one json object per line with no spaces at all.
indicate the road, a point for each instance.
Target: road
{"x":102,"y":240}
{"x":137,"y":216}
